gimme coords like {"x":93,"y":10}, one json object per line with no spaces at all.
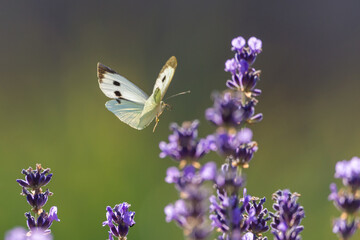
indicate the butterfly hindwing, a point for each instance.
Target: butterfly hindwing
{"x":128,"y":112}
{"x":115,"y":86}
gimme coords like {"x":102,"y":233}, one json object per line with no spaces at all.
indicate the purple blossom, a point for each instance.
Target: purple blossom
{"x":238,"y":43}
{"x":288,"y":216}
{"x":183,"y":143}
{"x":345,"y":229}
{"x":231,"y":65}
{"x":228,"y":179}
{"x":228,"y":110}
{"x":189,"y":212}
{"x":119,"y":220}
{"x":43,"y":222}
{"x":257,"y":216}
{"x":229,"y":215}
{"x":344,"y":201}
{"x":249,"y":53}
{"x":236,"y":145}
{"x":34,"y":179}
{"x":36,"y":200}
{"x":255,"y":45}
{"x":349,"y":172}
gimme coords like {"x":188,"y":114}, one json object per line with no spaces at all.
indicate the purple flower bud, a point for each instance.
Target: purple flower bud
{"x":183,"y":143}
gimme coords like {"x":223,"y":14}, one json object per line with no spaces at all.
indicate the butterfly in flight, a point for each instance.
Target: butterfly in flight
{"x":130,"y":104}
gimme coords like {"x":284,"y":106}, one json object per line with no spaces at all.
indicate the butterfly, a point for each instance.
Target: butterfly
{"x":130,"y":104}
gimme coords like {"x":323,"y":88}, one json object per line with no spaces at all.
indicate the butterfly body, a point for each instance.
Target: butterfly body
{"x":130,"y":104}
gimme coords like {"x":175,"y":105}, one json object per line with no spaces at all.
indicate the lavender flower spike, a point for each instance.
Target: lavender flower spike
{"x":119,"y":220}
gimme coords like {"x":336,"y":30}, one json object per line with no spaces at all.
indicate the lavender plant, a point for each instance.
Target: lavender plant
{"x":234,"y":216}
{"x":119,"y":219}
{"x":232,"y":112}
{"x":347,"y":199}
{"x":38,"y":220}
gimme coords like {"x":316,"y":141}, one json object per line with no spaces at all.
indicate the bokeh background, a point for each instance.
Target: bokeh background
{"x":52,"y":110}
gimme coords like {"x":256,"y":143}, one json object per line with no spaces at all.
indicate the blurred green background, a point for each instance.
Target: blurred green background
{"x":52,"y":110}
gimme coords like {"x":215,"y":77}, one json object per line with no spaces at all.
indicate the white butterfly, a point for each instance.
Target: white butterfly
{"x":130,"y":104}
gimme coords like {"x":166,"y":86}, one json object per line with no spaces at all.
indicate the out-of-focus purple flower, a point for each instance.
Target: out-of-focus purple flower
{"x":208,"y":171}
{"x":183,"y":143}
{"x":178,"y":212}
{"x":238,"y":43}
{"x":255,"y":45}
{"x":345,"y":229}
{"x":344,"y":201}
{"x":20,"y":233}
{"x":190,"y":211}
{"x":43,"y":222}
{"x":228,"y":179}
{"x":17,"y":233}
{"x":119,"y":220}
{"x":349,"y":172}
{"x":231,"y":65}
{"x":35,"y":179}
{"x":288,"y":216}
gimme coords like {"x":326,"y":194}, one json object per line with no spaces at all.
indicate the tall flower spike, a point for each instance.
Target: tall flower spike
{"x":39,"y":225}
{"x":119,"y":219}
{"x":287,"y":217}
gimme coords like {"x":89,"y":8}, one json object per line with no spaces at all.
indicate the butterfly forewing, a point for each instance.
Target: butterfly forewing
{"x":165,"y":76}
{"x":116,"y":86}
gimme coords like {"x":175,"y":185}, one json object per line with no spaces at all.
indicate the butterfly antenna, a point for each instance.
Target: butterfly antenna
{"x":178,"y":94}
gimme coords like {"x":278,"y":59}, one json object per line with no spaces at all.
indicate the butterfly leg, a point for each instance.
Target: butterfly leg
{"x":156,"y":122}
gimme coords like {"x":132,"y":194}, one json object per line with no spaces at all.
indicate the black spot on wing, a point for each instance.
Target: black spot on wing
{"x":117,"y":93}
{"x":118,"y":101}
{"x":116,"y":83}
{"x":163,"y":79}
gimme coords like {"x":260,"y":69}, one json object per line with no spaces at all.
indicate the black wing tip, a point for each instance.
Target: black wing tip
{"x":101,"y":70}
